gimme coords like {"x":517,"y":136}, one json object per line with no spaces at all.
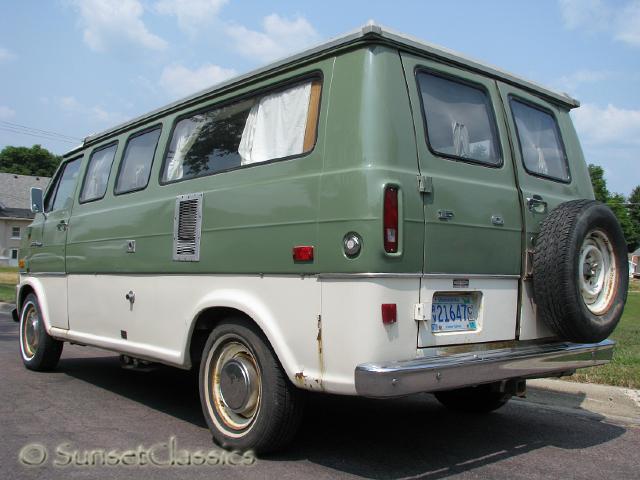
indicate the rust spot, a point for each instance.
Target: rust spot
{"x":300,"y":377}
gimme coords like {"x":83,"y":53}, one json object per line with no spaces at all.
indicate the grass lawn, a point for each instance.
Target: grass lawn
{"x":624,"y":370}
{"x":8,"y":280}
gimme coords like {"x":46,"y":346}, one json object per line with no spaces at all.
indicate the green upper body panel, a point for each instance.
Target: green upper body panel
{"x":370,"y":134}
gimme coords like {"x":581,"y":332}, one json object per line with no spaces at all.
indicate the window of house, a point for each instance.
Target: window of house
{"x":97,"y":176}
{"x":14,"y":254}
{"x":60,"y":195}
{"x":459,"y":119}
{"x":15,"y":233}
{"x":136,"y":162}
{"x":255,"y":130}
{"x":540,"y":143}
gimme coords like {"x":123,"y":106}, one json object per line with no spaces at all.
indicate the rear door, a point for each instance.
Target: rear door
{"x":472,"y":215}
{"x":542,"y":135}
{"x":473,"y":222}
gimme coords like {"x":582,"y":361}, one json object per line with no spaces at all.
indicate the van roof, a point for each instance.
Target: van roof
{"x":369,"y":33}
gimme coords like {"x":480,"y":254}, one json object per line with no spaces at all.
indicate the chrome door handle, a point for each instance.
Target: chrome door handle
{"x":62,"y":225}
{"x":536,"y":204}
{"x":36,"y":244}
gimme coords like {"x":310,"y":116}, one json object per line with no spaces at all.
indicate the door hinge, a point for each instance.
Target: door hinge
{"x":422,"y":312}
{"x":425,"y":184}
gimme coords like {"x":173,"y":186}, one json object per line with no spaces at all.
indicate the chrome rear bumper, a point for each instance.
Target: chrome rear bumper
{"x":430,"y":374}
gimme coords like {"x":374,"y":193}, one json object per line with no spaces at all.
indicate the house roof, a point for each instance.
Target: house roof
{"x":15,"y":194}
{"x":370,"y":33}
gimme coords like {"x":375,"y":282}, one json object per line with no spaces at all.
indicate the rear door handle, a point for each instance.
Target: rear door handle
{"x":536,"y":204}
{"x":36,"y":244}
{"x":62,"y":225}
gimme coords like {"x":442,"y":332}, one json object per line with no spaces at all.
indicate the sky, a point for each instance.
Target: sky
{"x":69,"y":68}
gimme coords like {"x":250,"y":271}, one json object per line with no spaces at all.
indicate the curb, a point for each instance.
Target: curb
{"x":602,"y":399}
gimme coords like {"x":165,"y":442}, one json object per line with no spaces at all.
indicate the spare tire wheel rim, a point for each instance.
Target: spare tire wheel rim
{"x":597,"y":272}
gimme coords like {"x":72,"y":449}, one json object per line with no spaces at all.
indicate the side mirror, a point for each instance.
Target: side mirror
{"x":36,"y":200}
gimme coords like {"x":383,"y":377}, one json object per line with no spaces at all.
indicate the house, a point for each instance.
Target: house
{"x":15,"y":213}
{"x":634,"y":264}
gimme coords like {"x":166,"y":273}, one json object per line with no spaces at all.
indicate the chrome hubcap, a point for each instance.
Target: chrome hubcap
{"x":235,"y":384}
{"x":597,"y":272}
{"x":30,"y":331}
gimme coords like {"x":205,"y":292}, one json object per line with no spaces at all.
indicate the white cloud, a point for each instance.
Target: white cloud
{"x":96,"y":113}
{"x":610,"y":137}
{"x":6,"y":113}
{"x":180,"y":81}
{"x":6,"y":55}
{"x":628,"y":29}
{"x":280,"y":36}
{"x":108,"y":22}
{"x":623,"y":24}
{"x":590,"y":14}
{"x":573,"y":81}
{"x":191,"y":14}
{"x":607,"y":126}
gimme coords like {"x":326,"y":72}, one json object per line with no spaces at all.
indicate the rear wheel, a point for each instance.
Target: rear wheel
{"x":479,"y":399}
{"x":38,"y":349}
{"x":247,"y":400}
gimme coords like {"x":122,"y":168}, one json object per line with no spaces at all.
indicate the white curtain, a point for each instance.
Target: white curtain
{"x":97,"y":180}
{"x":186,"y":132}
{"x":276,"y":126}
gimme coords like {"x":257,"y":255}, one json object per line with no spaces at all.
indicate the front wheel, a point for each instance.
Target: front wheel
{"x":247,"y":400}
{"x":38,"y":349}
{"x":479,"y":399}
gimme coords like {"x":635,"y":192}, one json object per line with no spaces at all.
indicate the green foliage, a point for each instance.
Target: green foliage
{"x":35,"y":161}
{"x":634,"y":208}
{"x":628,"y":217}
{"x":599,"y":183}
{"x":616,"y":203}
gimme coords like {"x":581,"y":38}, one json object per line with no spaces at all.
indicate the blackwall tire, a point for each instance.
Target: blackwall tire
{"x":580,"y":271}
{"x":261,"y":415}
{"x":38,"y":350}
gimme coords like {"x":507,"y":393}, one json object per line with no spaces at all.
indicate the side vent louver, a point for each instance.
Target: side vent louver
{"x":187,"y":223}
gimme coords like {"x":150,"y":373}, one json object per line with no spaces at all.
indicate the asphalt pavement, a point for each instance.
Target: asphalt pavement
{"x":93,"y":419}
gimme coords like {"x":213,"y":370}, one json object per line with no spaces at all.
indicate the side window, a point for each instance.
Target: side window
{"x":539,"y":139}
{"x":459,"y":119}
{"x":97,"y":176}
{"x":135,"y":167}
{"x":268,"y":127}
{"x":61,"y":194}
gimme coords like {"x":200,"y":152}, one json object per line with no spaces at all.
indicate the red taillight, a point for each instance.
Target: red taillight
{"x":303,"y":253}
{"x":390,"y":219}
{"x":389,"y":313}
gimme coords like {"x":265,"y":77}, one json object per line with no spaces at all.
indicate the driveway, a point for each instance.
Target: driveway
{"x":90,"y":404}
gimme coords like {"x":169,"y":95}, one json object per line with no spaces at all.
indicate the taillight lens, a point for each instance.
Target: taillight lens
{"x":390,"y":220}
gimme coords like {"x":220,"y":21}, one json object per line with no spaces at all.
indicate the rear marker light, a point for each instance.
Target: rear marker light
{"x":389,"y":313}
{"x":303,"y":253}
{"x":390,"y":220}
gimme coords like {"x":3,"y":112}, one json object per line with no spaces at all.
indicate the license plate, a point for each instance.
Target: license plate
{"x":453,"y":313}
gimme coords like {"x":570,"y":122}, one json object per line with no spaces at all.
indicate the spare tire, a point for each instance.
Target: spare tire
{"x":580,"y":271}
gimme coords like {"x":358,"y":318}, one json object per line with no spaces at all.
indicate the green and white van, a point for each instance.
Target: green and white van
{"x":375,"y":216}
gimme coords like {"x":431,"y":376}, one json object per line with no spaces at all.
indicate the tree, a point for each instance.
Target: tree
{"x":634,"y":208}
{"x":616,"y":202}
{"x":599,"y":183}
{"x":35,"y":161}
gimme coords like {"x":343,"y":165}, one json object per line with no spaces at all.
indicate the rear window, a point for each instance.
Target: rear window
{"x":258,"y":129}
{"x":540,"y":143}
{"x":459,"y":119}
